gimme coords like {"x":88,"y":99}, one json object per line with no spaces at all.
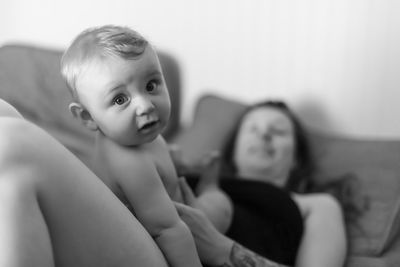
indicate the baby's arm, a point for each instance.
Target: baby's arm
{"x":145,"y":191}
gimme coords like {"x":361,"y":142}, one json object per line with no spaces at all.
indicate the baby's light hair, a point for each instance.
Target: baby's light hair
{"x":96,"y":44}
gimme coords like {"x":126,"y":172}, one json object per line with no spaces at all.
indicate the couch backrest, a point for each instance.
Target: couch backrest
{"x":30,"y":80}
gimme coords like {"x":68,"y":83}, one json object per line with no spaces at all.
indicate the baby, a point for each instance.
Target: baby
{"x":119,"y":92}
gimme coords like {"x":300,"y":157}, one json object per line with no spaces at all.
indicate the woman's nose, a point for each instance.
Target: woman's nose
{"x":266,"y":135}
{"x":143,"y":106}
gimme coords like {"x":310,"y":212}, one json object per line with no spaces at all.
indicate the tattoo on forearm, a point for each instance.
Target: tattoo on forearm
{"x":242,"y":257}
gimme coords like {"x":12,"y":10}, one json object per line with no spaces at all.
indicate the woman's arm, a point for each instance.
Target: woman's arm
{"x":216,"y":205}
{"x":324,"y":239}
{"x":214,"y":248}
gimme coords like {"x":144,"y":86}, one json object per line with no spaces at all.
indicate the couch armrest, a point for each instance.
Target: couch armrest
{"x":361,"y":261}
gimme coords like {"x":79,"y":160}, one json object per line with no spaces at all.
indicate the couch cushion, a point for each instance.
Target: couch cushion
{"x":214,"y":118}
{"x":356,"y":261}
{"x":31,"y":81}
{"x":373,"y":232}
{"x":376,"y":164}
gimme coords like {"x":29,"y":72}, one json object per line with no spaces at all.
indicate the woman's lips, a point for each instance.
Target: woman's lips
{"x":262,"y":150}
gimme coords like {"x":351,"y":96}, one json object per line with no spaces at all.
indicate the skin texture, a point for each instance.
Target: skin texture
{"x":118,"y":97}
{"x":126,"y":102}
{"x":56,"y":212}
{"x":45,"y":190}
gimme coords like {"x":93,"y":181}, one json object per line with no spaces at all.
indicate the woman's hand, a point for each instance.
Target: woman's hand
{"x":213,"y":247}
{"x":181,"y":166}
{"x":209,"y":170}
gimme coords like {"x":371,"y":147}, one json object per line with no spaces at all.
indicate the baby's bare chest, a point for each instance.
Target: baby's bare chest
{"x":167,"y":173}
{"x":110,"y":165}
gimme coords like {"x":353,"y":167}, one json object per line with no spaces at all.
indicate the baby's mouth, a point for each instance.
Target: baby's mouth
{"x":148,"y":125}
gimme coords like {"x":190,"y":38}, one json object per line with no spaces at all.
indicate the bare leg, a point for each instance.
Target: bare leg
{"x":25,"y":239}
{"x":6,"y":110}
{"x":56,"y":212}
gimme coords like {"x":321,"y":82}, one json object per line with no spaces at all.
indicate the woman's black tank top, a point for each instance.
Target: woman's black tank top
{"x":265,"y":220}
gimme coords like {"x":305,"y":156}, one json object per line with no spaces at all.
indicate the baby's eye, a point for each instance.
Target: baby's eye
{"x":120,"y":99}
{"x":151,"y":86}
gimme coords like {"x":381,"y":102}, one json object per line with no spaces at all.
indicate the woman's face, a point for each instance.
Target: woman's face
{"x":265,"y":146}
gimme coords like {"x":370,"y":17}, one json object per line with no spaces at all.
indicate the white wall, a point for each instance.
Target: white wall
{"x":337,"y":62}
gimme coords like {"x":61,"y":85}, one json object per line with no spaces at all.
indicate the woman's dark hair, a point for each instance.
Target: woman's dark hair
{"x":300,"y":176}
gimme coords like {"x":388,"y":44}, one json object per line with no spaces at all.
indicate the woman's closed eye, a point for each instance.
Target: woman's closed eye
{"x":270,"y":131}
{"x":120,"y":99}
{"x":279,"y":131}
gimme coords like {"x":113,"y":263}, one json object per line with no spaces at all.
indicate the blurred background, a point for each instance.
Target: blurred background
{"x":337,"y":62}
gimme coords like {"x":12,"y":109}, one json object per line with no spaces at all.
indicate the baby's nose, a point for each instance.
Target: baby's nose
{"x":143,"y":106}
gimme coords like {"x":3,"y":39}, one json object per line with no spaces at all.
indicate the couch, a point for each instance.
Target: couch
{"x":30,"y":80}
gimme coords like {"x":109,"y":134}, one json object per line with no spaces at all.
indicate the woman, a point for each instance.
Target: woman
{"x":269,"y":147}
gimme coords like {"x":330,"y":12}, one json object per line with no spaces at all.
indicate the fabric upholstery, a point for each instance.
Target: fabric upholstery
{"x":376,"y":165}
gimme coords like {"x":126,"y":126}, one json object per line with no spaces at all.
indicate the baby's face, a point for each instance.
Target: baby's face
{"x":128,"y":99}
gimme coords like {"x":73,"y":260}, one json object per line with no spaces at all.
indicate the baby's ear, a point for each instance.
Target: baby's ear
{"x":82,"y":114}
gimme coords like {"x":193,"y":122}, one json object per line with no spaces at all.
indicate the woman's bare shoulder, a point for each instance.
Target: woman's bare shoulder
{"x":320,"y":202}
